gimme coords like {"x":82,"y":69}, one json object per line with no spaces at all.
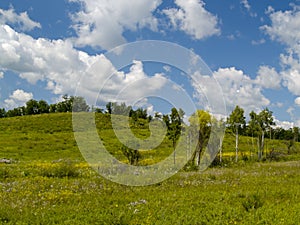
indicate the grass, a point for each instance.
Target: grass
{"x":259,"y":193}
{"x":49,"y":182}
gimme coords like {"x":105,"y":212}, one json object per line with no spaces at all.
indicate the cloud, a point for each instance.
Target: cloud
{"x":297,"y":101}
{"x":128,"y":87}
{"x":258,"y":42}
{"x":63,"y":68}
{"x":192,"y":18}
{"x":41,"y":59}
{"x":1,"y":74}
{"x":284,"y":28}
{"x":102,"y":23}
{"x":246,"y":4}
{"x":239,"y":89}
{"x":267,"y":77}
{"x":283,"y":124}
{"x":17,"y":98}
{"x":22,"y":20}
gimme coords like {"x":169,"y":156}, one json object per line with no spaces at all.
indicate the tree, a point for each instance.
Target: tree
{"x":237,"y":124}
{"x":200,"y":125}
{"x":52,"y":108}
{"x":121,"y":109}
{"x":174,"y":128}
{"x":78,"y":104}
{"x":261,"y":123}
{"x":2,"y":113}
{"x":32,"y":107}
{"x":296,"y":134}
{"x":157,"y":115}
{"x":65,"y":105}
{"x":16,"y":112}
{"x":109,"y":107}
{"x":43,"y":106}
{"x":133,"y":155}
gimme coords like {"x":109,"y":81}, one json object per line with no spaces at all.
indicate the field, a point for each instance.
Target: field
{"x":48,"y":182}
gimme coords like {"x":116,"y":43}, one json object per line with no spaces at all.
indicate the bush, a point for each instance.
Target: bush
{"x":252,"y":202}
{"x":61,"y":169}
{"x":133,"y":155}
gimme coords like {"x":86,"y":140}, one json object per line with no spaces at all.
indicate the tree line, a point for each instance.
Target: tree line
{"x":33,"y":107}
{"x":260,"y":125}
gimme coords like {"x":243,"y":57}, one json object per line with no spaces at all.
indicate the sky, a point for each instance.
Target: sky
{"x":252,"y":48}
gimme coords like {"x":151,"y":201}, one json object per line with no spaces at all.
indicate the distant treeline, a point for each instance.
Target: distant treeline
{"x":258,"y":123}
{"x":34,"y":107}
{"x":73,"y":104}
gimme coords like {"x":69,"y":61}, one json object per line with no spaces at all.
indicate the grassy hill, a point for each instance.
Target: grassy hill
{"x":50,"y":137}
{"x":38,"y":188}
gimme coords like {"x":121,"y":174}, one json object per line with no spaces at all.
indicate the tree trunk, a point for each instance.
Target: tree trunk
{"x":262,"y":143}
{"x":197,"y":154}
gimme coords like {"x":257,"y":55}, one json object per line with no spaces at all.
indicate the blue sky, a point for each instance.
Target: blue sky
{"x":251,"y":47}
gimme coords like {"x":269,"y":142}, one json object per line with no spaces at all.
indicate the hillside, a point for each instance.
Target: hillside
{"x":51,"y":184}
{"x":50,"y":137}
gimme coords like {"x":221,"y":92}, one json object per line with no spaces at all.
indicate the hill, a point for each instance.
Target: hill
{"x":51,"y":184}
{"x":50,"y":137}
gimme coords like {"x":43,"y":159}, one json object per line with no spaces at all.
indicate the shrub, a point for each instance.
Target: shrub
{"x":61,"y":169}
{"x":252,"y":202}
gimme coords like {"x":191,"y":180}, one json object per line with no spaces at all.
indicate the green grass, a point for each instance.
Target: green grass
{"x":266,"y":193}
{"x":49,"y":182}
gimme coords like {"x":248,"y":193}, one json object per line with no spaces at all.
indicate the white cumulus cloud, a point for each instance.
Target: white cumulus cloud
{"x":63,"y":68}
{"x":102,"y":23}
{"x":297,"y":101}
{"x":21,"y":20}
{"x":239,"y":89}
{"x":192,"y":18}
{"x":17,"y":98}
{"x":268,"y":77}
{"x":284,"y":28}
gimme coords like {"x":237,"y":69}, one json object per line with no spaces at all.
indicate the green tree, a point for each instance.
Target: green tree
{"x":2,"y":113}
{"x":65,"y":105}
{"x":132,"y":154}
{"x":261,"y":123}
{"x":296,"y":134}
{"x":200,"y":125}
{"x":78,"y":104}
{"x":32,"y":107}
{"x":120,"y":109}
{"x":174,"y":128}
{"x":20,"y":111}
{"x":43,"y":106}
{"x":53,"y":108}
{"x":109,"y":107}
{"x":237,"y":124}
{"x":237,"y":120}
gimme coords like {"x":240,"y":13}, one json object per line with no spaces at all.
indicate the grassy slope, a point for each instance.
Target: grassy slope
{"x":34,"y":191}
{"x":50,"y":137}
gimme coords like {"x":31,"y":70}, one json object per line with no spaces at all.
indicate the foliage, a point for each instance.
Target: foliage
{"x":132,"y":154}
{"x":60,"y":169}
{"x":174,"y":126}
{"x":2,"y":113}
{"x":259,"y":124}
{"x":252,"y":202}
{"x":237,"y":120}
{"x":200,"y":125}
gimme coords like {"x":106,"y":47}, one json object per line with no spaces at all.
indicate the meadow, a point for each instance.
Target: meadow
{"x":48,"y":182}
